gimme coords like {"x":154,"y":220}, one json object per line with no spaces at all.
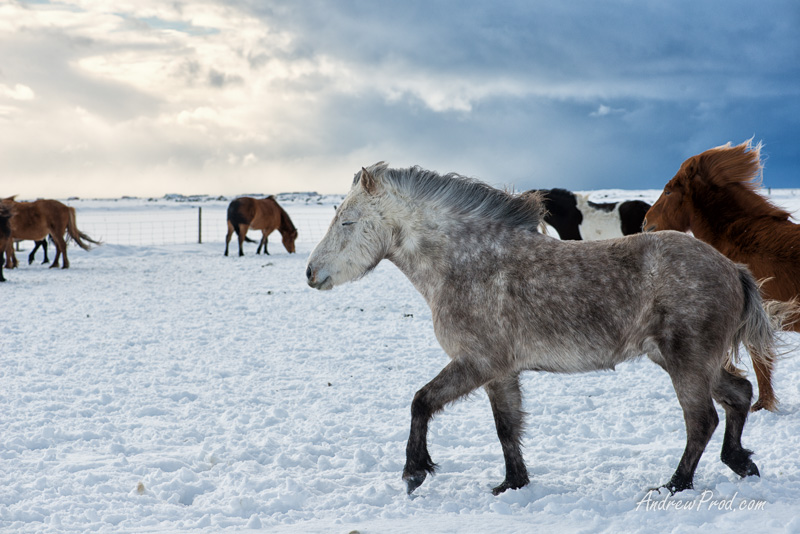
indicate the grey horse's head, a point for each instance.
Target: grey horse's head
{"x":358,"y":237}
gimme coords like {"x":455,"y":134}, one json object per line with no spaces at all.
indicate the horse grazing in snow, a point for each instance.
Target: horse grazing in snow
{"x":263,"y":214}
{"x":40,"y":218}
{"x":575,"y":217}
{"x":715,"y":195}
{"x":5,"y":235}
{"x":506,"y":299}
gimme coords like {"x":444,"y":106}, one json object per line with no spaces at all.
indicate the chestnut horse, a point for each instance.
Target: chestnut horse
{"x":35,"y":220}
{"x":715,"y":195}
{"x":263,"y":214}
{"x":5,"y":235}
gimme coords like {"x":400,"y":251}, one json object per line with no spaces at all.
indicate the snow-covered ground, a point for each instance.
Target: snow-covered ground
{"x":166,"y":388}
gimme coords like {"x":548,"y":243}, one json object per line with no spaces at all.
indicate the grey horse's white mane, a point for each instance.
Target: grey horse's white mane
{"x":463,"y":195}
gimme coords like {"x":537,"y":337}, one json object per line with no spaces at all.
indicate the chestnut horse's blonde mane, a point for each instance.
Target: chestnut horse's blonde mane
{"x":738,"y":169}
{"x":729,"y":164}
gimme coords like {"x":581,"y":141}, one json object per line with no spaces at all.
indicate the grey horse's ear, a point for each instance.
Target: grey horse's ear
{"x":367,"y":181}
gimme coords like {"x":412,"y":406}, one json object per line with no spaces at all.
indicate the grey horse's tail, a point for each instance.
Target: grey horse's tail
{"x":761,"y":320}
{"x":759,"y":323}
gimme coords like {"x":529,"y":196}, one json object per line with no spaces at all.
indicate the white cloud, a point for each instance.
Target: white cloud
{"x":604,"y":110}
{"x":249,"y":160}
{"x":18,"y":92}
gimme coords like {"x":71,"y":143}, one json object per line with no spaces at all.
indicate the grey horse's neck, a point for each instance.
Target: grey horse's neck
{"x":433,"y":251}
{"x":443,"y":224}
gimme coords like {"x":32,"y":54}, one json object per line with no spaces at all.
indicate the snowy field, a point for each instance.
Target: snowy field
{"x":162,"y":387}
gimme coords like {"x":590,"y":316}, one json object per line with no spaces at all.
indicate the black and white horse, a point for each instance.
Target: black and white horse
{"x":577,"y":218}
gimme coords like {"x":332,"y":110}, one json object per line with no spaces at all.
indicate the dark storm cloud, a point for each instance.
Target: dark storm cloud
{"x":611,"y":94}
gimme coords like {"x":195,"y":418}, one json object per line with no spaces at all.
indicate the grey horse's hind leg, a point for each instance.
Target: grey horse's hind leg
{"x":701,"y":420}
{"x":458,"y":378}
{"x":506,"y":398}
{"x":735,"y":393}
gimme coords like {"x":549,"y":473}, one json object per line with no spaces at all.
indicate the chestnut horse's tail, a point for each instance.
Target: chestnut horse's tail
{"x":760,"y":322}
{"x":79,"y":237}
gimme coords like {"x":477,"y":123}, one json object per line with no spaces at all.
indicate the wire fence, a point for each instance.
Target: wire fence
{"x":143,"y":232}
{"x":184,"y":226}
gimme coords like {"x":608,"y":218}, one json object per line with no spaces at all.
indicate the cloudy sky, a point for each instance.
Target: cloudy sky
{"x":101,"y":98}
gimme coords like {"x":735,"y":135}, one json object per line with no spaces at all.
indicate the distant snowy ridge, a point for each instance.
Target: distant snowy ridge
{"x":307,"y":197}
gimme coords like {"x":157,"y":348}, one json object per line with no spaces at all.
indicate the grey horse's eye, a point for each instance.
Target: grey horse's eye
{"x":348,"y":223}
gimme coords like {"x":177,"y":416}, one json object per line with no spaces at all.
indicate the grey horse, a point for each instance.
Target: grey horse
{"x":505,"y":298}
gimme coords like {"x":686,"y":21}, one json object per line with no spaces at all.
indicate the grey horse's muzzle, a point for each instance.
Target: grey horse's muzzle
{"x":318,"y":280}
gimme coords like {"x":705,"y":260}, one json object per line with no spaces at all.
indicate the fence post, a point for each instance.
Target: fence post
{"x":200,"y":224}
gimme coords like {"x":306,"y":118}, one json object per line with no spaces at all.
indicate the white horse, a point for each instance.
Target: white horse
{"x":505,"y":298}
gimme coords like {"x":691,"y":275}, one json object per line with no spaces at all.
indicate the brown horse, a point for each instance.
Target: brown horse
{"x":5,"y":235}
{"x":263,"y":214}
{"x":40,"y":218}
{"x":714,"y":194}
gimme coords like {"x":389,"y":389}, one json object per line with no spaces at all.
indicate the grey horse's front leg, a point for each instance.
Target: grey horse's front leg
{"x":506,"y":398}
{"x":458,"y":378}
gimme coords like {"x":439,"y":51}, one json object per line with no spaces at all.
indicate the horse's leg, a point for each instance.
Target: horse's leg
{"x":11,"y":258}
{"x":693,"y":388}
{"x":734,"y":393}
{"x":506,"y":399}
{"x":36,"y":246}
{"x":693,"y":380}
{"x":61,"y":250}
{"x":766,"y":395}
{"x":263,"y":243}
{"x":241,"y":235}
{"x":56,"y":259}
{"x":457,"y":379}
{"x":64,"y":260}
{"x":42,"y":243}
{"x":228,"y":237}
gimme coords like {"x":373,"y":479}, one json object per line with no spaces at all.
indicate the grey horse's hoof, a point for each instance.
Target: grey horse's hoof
{"x":510,"y":484}
{"x":414,"y":481}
